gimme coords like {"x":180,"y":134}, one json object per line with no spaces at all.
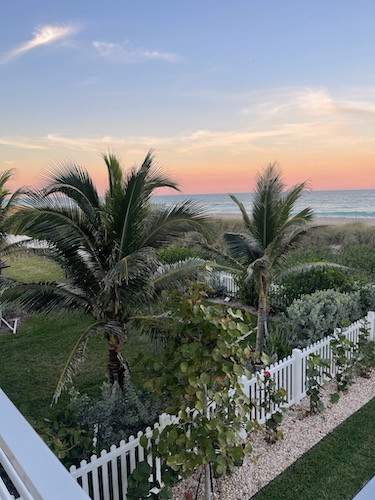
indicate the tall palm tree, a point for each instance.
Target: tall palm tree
{"x":106,"y":246}
{"x":271,"y":229}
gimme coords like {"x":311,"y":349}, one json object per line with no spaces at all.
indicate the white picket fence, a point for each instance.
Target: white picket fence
{"x":224,"y":280}
{"x":106,"y":477}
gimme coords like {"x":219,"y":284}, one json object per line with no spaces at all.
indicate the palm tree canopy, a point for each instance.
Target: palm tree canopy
{"x":273,"y":225}
{"x":105,"y":244}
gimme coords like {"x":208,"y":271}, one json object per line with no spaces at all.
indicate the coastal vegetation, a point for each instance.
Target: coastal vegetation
{"x":107,"y":250}
{"x":142,"y":277}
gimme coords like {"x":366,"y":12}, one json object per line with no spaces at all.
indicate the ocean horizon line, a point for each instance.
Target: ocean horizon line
{"x":227,"y":193}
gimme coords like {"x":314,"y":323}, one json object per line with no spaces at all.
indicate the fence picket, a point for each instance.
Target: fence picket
{"x":95,"y":480}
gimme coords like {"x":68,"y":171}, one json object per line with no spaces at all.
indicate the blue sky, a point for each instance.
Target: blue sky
{"x":210,"y":85}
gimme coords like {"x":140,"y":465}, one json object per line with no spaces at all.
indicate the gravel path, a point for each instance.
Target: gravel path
{"x":301,"y":432}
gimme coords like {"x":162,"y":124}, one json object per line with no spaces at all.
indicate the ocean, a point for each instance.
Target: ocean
{"x":358,"y":204}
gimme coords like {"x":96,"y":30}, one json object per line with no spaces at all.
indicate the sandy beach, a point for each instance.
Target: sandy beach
{"x":331,"y":221}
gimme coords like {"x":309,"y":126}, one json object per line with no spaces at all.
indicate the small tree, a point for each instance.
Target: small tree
{"x":364,"y":355}
{"x":200,"y":378}
{"x":272,"y":404}
{"x":316,"y":367}
{"x":341,"y":350}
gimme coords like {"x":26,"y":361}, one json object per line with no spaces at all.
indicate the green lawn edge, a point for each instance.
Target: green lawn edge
{"x":336,"y":468}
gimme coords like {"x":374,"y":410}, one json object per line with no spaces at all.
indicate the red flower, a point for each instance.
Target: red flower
{"x":266,"y":374}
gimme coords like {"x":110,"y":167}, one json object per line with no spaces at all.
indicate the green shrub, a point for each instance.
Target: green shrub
{"x":174,"y":253}
{"x":116,"y":414}
{"x":311,"y":253}
{"x":367,"y":296}
{"x":360,"y":257}
{"x":69,"y":441}
{"x":278,"y":342}
{"x":294,"y":285}
{"x":314,"y":316}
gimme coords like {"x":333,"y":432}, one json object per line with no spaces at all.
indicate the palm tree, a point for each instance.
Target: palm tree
{"x":8,"y":203}
{"x":271,"y":230}
{"x":106,"y":246}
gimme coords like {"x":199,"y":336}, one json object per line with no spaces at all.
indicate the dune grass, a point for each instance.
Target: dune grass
{"x":336,"y":468}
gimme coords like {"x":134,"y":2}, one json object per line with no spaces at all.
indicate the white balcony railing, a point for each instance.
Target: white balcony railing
{"x":28,"y":469}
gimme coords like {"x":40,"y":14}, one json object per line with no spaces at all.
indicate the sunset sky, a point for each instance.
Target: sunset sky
{"x":216,"y":88}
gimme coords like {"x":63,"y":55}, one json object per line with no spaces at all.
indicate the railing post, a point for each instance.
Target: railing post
{"x":371,"y":321}
{"x":297,"y":375}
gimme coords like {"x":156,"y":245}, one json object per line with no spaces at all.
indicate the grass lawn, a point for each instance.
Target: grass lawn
{"x":32,"y":269}
{"x":336,"y":468}
{"x":33,"y":358}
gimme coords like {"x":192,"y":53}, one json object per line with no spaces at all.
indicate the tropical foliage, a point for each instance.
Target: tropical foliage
{"x":200,"y":377}
{"x":8,"y":202}
{"x":271,"y":229}
{"x":317,"y":370}
{"x":107,"y":249}
{"x":314,"y":316}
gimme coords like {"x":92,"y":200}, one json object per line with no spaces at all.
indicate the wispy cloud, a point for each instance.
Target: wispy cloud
{"x":21,"y":143}
{"x":310,"y":102}
{"x":124,"y":53}
{"x":194,"y":141}
{"x":276,"y":122}
{"x":44,"y":35}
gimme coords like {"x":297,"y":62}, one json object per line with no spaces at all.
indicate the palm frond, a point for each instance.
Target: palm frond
{"x":154,"y":176}
{"x":234,"y":263}
{"x":46,"y":297}
{"x":140,"y":263}
{"x":266,"y":205}
{"x":288,"y":203}
{"x":179,"y":274}
{"x":115,"y":176}
{"x":242,"y":247}
{"x":166,"y":224}
{"x":57,"y":222}
{"x":75,"y":183}
{"x":247,"y":221}
{"x":78,"y":354}
{"x":308,"y":266}
{"x":286,"y":239}
{"x":5,"y":176}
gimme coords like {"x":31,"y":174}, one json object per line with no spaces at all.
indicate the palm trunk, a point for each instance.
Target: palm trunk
{"x":262,"y":317}
{"x":116,"y":369}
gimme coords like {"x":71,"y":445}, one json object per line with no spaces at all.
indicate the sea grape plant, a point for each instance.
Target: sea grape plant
{"x":272,"y":403}
{"x":205,"y":356}
{"x":316,"y":367}
{"x":342,"y":350}
{"x":364,"y":356}
{"x":142,"y":483}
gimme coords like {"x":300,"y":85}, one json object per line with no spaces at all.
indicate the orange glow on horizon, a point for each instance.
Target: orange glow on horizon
{"x":202,"y":172}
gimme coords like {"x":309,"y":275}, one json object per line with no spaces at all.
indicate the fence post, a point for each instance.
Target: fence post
{"x":297,"y":375}
{"x":371,"y":321}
